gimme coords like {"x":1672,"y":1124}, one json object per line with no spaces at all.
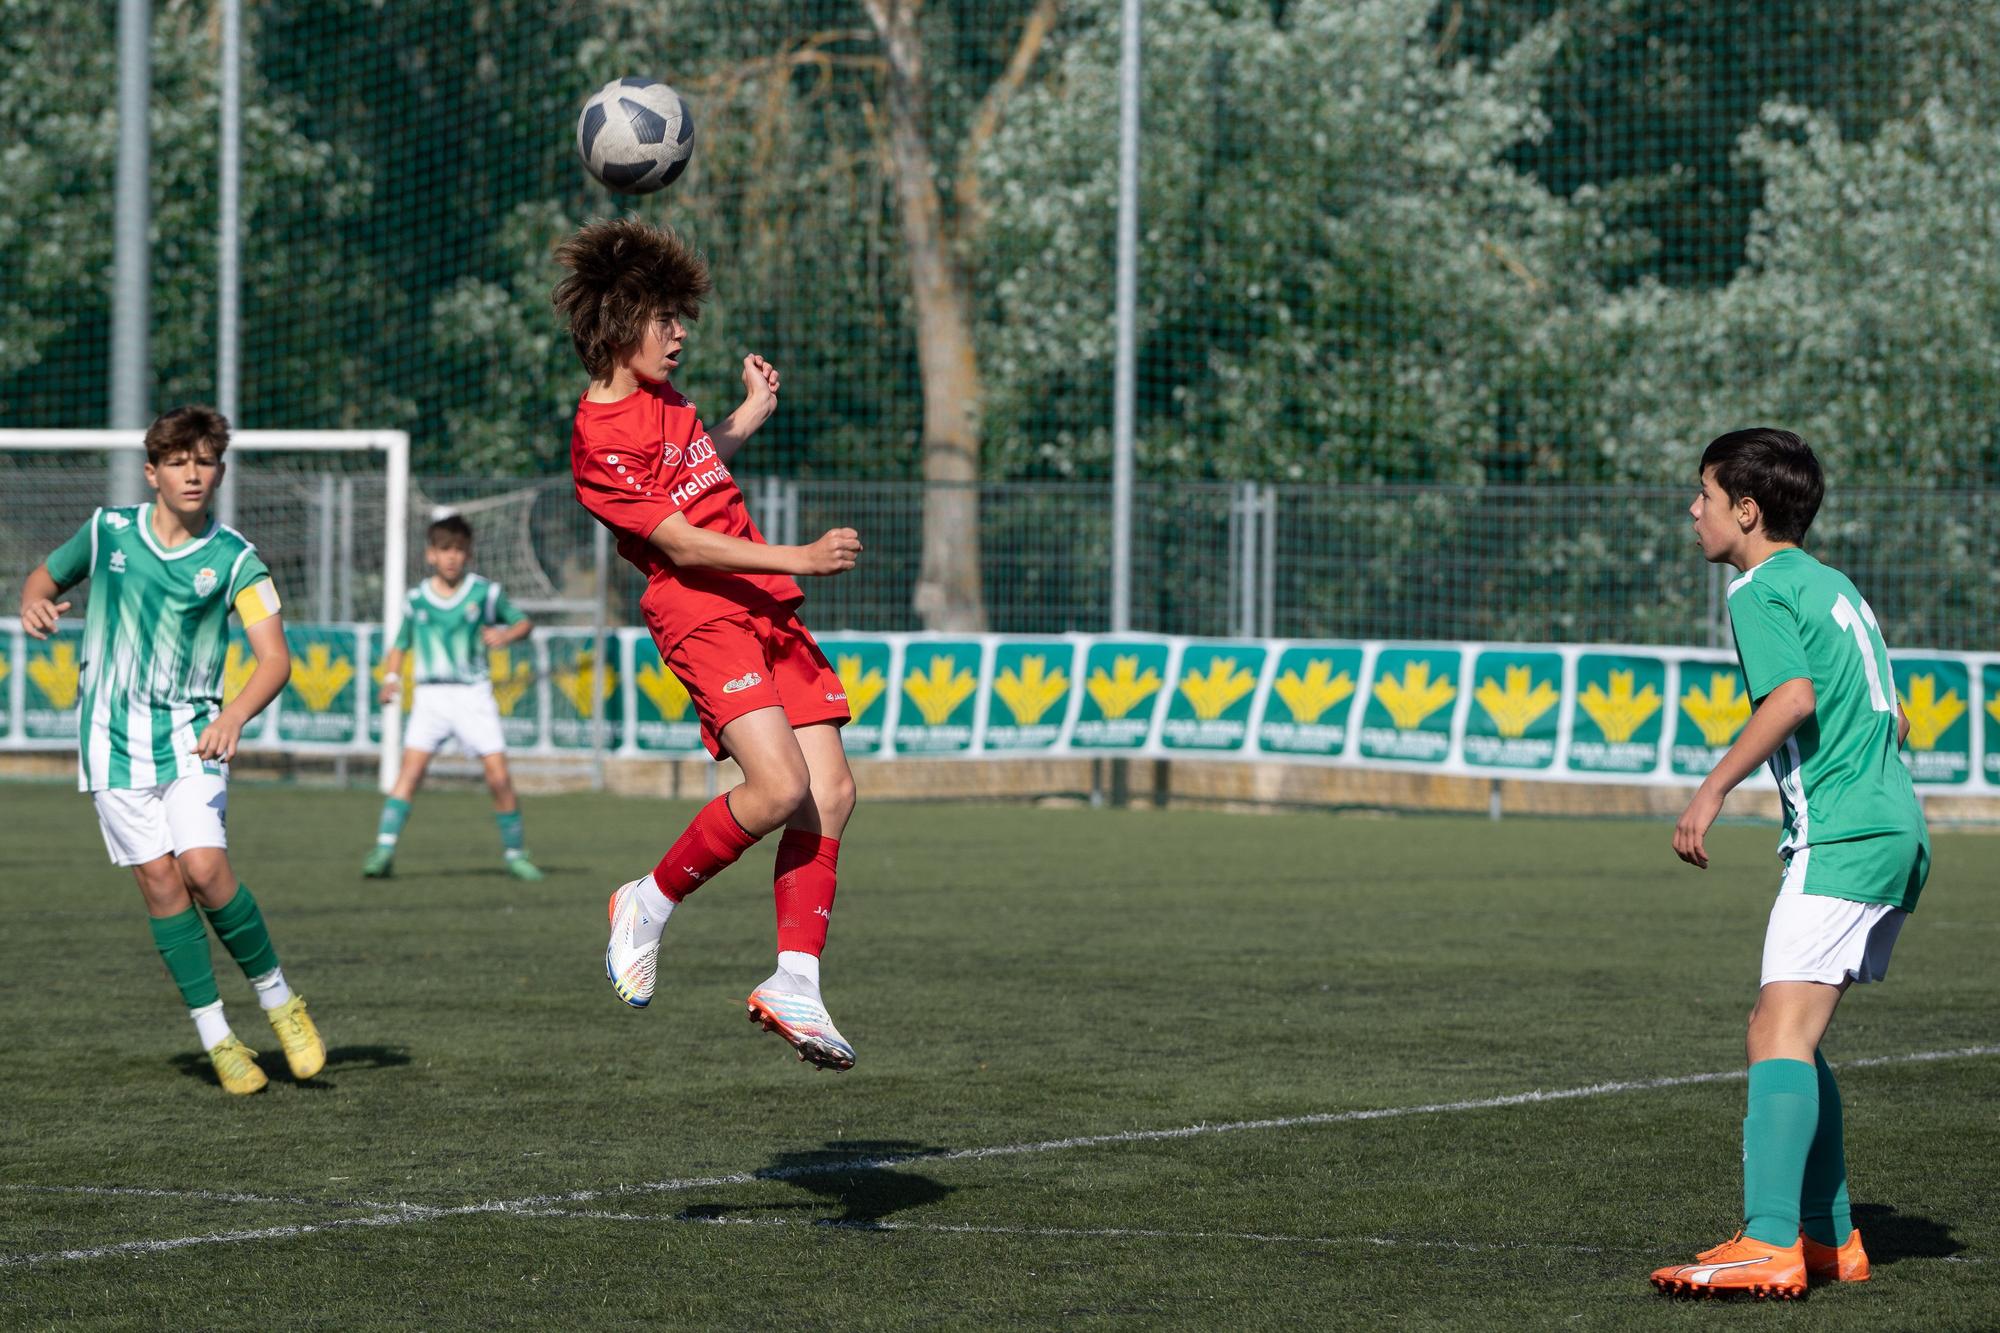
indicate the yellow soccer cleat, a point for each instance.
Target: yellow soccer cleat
{"x":304,"y":1051}
{"x":1847,"y":1262}
{"x":236,"y":1066}
{"x":1741,"y":1266}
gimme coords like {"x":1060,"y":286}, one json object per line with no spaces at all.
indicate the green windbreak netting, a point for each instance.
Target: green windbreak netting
{"x":1425,"y":269}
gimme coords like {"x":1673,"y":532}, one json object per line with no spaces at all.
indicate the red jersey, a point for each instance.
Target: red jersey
{"x":643,"y":458}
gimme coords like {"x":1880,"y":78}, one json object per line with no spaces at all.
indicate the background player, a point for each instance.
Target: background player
{"x":1855,"y":848}
{"x":155,"y":737}
{"x":719,"y":603}
{"x":450,"y":621}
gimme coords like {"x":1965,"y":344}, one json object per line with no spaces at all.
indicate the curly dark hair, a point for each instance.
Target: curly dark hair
{"x":193,"y":428}
{"x":623,"y":275}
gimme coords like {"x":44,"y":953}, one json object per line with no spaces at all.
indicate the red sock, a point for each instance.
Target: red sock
{"x":709,"y":846}
{"x":803,"y":882}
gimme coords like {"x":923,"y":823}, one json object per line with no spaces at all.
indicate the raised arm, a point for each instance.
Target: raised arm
{"x":1781,"y":713}
{"x":760,"y":400}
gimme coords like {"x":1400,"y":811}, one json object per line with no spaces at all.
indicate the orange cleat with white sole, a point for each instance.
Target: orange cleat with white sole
{"x":1826,"y":1263}
{"x":1739,"y":1266}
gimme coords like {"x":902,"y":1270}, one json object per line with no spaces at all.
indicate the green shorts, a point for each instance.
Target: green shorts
{"x":1890,"y":868}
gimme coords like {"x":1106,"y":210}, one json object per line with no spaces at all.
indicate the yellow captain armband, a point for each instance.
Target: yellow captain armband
{"x":257,"y":602}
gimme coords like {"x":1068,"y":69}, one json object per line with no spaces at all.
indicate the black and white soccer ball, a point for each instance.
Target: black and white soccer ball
{"x":635,"y":135}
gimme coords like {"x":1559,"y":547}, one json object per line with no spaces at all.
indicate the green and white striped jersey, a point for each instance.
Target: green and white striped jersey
{"x":154,"y":641}
{"x":441,"y":633}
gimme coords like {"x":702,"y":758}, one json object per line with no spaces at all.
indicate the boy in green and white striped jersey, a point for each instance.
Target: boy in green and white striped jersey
{"x":154,"y":738}
{"x":450,"y":622}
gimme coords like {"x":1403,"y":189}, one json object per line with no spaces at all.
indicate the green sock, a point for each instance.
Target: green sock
{"x":1777,"y":1135}
{"x":240,"y":927}
{"x":1823,"y":1202}
{"x":394,"y":811}
{"x":511,"y":832}
{"x":183,"y":946}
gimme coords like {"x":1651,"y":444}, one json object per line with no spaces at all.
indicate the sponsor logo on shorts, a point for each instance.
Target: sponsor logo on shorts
{"x":743,"y":682}
{"x":837,"y":698}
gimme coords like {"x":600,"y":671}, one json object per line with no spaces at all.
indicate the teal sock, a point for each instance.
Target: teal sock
{"x":394,"y":811}
{"x":240,"y":927}
{"x":1777,"y":1135}
{"x":511,"y":833}
{"x":183,"y":946}
{"x":1823,"y":1206}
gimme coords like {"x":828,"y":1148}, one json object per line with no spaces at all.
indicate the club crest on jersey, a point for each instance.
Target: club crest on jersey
{"x":670,"y":454}
{"x":204,"y":581}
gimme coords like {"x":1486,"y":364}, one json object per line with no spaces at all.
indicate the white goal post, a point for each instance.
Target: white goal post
{"x":392,"y":445}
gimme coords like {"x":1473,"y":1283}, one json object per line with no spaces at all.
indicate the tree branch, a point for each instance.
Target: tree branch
{"x":992,"y":109}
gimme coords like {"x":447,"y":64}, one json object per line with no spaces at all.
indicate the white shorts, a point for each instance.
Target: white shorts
{"x":142,"y":824}
{"x":1830,"y":940}
{"x":465,"y":713}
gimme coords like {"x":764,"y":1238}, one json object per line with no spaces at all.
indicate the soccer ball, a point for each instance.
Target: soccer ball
{"x":635,"y":135}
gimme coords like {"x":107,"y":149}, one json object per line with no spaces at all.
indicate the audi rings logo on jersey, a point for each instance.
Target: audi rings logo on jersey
{"x":670,"y":454}
{"x":701,"y":451}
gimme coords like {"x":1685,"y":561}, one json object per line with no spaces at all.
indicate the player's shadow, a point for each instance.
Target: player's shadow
{"x":358,"y":1058}
{"x":1889,"y":1235}
{"x":867,"y":1181}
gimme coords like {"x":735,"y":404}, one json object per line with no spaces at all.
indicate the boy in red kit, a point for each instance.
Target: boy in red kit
{"x":719,"y":601}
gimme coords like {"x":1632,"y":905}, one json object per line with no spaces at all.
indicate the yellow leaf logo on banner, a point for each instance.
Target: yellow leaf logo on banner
{"x":582,"y":682}
{"x":1415,"y":697}
{"x":1721,"y":712}
{"x":56,"y":675}
{"x":511,"y":679}
{"x":1034,"y":691}
{"x":4,"y":668}
{"x":1619,"y":712}
{"x":941,"y":691}
{"x":1310,"y":696}
{"x":1930,"y":716}
{"x":1211,"y":695}
{"x":321,"y":678}
{"x":1993,"y":707}
{"x":381,"y":674}
{"x":664,"y":688}
{"x":1124,"y":688}
{"x":237,"y":668}
{"x":1515,"y":708}
{"x":863,"y":687}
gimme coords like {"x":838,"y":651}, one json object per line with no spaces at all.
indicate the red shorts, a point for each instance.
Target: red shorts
{"x":754,"y":660}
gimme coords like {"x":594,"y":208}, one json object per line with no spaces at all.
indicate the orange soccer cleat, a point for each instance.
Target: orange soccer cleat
{"x":1825,"y":1263}
{"x":1739,"y":1266}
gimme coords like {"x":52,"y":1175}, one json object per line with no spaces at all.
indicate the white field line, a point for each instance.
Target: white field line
{"x":212,"y":1196}
{"x":404,"y":1214}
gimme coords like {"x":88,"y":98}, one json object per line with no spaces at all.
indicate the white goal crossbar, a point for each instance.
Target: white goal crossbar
{"x":393,"y":445}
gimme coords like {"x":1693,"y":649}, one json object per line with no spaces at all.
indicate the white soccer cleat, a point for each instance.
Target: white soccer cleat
{"x":633,"y":954}
{"x":790,"y":1006}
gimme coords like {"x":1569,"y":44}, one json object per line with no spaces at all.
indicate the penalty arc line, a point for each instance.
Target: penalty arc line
{"x":408,"y":1214}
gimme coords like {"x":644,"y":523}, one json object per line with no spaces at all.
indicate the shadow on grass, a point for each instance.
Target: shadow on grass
{"x":1889,"y":1235}
{"x":358,"y":1058}
{"x":845,"y":1176}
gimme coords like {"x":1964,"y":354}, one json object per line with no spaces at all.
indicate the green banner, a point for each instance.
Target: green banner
{"x":940,"y":685}
{"x":1028,"y":700}
{"x":1410,"y":705}
{"x":576,"y":679}
{"x":664,"y":717}
{"x":1312,"y":697}
{"x":1210,"y":707}
{"x":512,"y":669}
{"x":1989,"y":690}
{"x":7,"y":668}
{"x":1714,"y":706}
{"x":54,"y":667}
{"x":1121,"y":684}
{"x":863,"y":668}
{"x":1936,"y":696}
{"x":1616,"y":713}
{"x":1513,"y":719}
{"x":318,"y":704}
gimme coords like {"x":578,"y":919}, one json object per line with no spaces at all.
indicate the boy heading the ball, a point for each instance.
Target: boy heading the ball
{"x":1855,"y":849}
{"x":720,"y":604}
{"x":155,"y":738}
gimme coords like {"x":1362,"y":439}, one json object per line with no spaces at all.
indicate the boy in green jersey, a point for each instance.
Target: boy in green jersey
{"x":155,"y":739}
{"x":1855,"y":849}
{"x":450,"y":621}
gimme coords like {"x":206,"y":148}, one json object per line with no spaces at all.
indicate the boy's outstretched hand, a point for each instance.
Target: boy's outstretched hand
{"x":835,"y":553}
{"x":39,"y":616}
{"x":1693,"y":827}
{"x":760,"y":382}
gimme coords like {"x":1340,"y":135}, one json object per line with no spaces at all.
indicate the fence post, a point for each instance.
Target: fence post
{"x":1267,"y":612}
